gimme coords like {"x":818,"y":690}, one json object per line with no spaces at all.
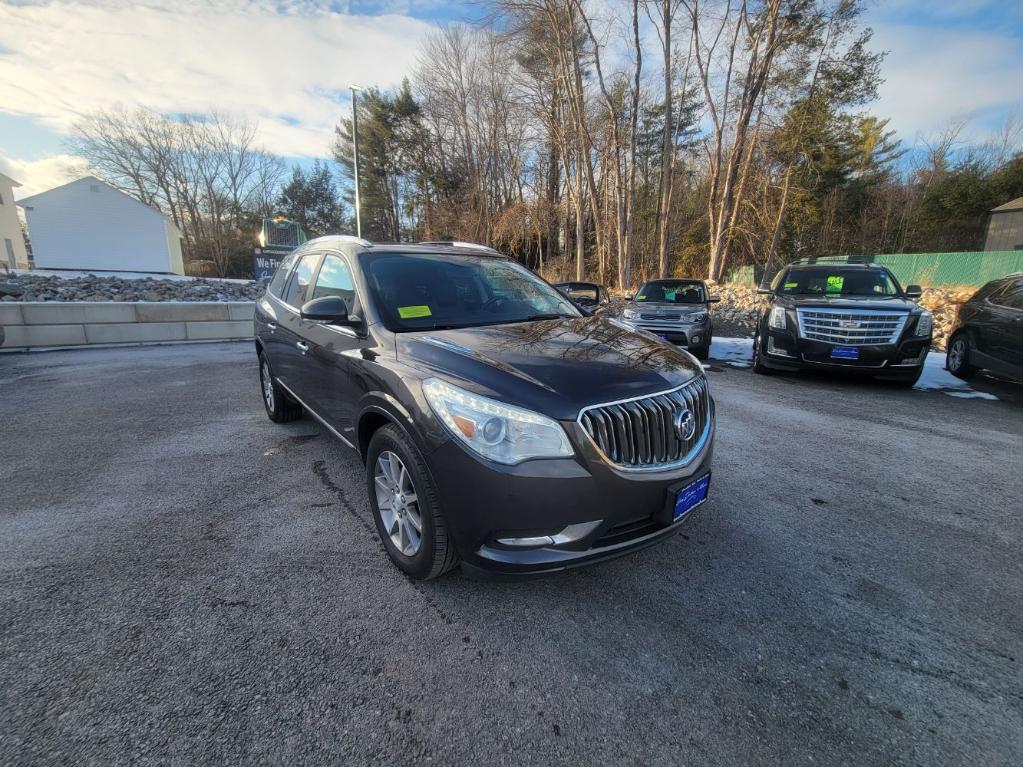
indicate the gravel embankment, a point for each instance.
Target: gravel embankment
{"x":30,"y":287}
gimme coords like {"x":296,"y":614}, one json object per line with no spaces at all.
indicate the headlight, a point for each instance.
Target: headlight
{"x":494,"y":430}
{"x":630,"y":314}
{"x":777,"y":319}
{"x":695,"y":316}
{"x":924,"y":324}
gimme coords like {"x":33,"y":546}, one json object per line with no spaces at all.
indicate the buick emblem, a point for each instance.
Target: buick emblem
{"x":684,"y":423}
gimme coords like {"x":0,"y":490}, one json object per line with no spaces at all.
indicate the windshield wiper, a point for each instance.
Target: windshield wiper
{"x":537,"y":317}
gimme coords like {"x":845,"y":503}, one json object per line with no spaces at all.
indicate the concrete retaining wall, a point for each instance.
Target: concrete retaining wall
{"x":52,"y":324}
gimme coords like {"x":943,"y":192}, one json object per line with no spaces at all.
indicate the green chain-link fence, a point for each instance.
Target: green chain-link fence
{"x":927,"y":269}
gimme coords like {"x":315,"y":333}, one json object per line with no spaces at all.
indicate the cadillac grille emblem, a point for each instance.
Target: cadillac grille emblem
{"x":684,"y":423}
{"x":849,"y":324}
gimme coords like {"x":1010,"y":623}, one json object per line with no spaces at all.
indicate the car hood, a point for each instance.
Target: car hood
{"x":852,"y":302}
{"x":554,"y":367}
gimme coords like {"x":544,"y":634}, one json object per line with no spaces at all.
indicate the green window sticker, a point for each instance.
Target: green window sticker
{"x":790,"y":285}
{"x":641,"y":298}
{"x":412,"y":312}
{"x":835,"y":282}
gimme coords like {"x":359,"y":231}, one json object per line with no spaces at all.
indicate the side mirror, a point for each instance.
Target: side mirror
{"x":914,"y":291}
{"x":765,"y":291}
{"x":330,"y":309}
{"x":713,"y":299}
{"x":629,"y":297}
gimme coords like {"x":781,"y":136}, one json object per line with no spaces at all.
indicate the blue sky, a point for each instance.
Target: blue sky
{"x":287,"y":64}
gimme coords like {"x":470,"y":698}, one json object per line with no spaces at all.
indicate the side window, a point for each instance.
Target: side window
{"x":335,"y":279}
{"x":298,"y":284}
{"x":1014,"y":297}
{"x":277,"y":283}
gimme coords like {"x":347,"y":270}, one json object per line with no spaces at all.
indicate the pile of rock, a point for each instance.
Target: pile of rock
{"x":33,"y":287}
{"x":943,"y":303}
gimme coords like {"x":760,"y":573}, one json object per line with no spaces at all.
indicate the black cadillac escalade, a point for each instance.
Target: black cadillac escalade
{"x":500,"y":424}
{"x":834,"y":315}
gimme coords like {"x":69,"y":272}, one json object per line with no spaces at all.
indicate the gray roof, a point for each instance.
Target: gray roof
{"x":1016,"y":204}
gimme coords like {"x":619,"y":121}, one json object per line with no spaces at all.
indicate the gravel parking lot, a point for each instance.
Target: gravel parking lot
{"x":182,"y":581}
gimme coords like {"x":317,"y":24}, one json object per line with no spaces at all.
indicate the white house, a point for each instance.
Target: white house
{"x":12,"y":242}
{"x":90,"y":226}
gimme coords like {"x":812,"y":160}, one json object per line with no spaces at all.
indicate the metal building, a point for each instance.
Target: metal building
{"x":1005,"y":227}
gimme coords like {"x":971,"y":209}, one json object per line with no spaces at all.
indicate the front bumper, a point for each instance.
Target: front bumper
{"x":607,"y":511}
{"x":784,"y":350}
{"x":680,"y":333}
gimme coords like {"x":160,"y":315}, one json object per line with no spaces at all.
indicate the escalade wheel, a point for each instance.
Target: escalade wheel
{"x":405,"y":506}
{"x":279,"y":406}
{"x":758,"y":366}
{"x":957,"y":358}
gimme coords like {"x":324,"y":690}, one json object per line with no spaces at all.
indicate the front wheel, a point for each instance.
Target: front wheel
{"x":758,"y":366}
{"x":957,"y":358}
{"x":701,"y":353}
{"x":405,"y":506}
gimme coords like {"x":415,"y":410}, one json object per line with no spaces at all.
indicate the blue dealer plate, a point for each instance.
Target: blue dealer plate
{"x":845,"y":353}
{"x":691,"y":496}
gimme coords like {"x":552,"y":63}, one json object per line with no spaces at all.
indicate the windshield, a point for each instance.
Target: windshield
{"x":673,"y":292}
{"x":829,"y":281}
{"x":415,"y":291}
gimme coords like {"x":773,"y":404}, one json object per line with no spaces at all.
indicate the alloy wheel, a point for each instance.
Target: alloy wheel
{"x":268,"y":387}
{"x":957,"y":354}
{"x":398,"y":503}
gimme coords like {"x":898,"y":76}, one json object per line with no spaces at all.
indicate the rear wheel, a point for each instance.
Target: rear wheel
{"x":405,"y":506}
{"x":957,"y":358}
{"x":280,"y":407}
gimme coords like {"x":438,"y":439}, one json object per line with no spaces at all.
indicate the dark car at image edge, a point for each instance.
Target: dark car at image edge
{"x":988,"y":331}
{"x":501,"y":426}
{"x":843,"y":315}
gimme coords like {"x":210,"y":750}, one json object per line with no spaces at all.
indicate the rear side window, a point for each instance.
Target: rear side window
{"x":335,"y":279}
{"x":1013,"y":298}
{"x":298,"y":285}
{"x":277,"y":283}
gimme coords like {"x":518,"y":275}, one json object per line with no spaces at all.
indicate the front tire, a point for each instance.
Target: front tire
{"x":405,"y":506}
{"x":280,"y":407}
{"x":758,"y":366}
{"x":957,"y":357}
{"x":701,"y":353}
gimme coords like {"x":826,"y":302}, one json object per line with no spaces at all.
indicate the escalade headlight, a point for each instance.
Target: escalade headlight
{"x":630,"y":314}
{"x":777,"y":318}
{"x":924,"y":324}
{"x":494,"y":430}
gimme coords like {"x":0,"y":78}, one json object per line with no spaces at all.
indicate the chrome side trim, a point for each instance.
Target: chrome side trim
{"x":314,"y":414}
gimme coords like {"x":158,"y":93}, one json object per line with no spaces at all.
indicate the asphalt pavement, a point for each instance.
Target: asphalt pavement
{"x":184,"y":582}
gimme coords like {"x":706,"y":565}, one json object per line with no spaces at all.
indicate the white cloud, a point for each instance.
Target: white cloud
{"x":39,"y":175}
{"x":285,"y":64}
{"x":933,"y":76}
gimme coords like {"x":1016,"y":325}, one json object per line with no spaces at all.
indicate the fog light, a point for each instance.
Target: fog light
{"x":536,"y":540}
{"x":772,"y":349}
{"x":696,"y":339}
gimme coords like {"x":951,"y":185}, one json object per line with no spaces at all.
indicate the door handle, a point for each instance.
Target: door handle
{"x":272,"y":326}
{"x":303,"y":346}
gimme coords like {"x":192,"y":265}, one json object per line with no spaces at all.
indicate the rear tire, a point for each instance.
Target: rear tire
{"x":701,"y":353}
{"x":395,"y":470}
{"x":280,"y":407}
{"x":957,"y":357}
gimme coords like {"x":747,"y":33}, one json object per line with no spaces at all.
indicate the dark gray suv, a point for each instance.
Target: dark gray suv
{"x":500,"y":425}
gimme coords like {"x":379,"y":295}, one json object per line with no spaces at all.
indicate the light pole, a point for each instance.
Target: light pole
{"x":355,"y":145}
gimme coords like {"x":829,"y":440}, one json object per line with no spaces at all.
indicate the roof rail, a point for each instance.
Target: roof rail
{"x":460,"y":244}
{"x":354,"y":239}
{"x":810,"y":260}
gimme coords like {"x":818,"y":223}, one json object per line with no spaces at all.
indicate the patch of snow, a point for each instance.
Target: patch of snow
{"x":936,"y":378}
{"x":737,"y":352}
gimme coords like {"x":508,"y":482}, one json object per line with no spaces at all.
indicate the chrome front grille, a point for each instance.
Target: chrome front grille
{"x":661,"y":317}
{"x":866,"y":327}
{"x":640,"y":433}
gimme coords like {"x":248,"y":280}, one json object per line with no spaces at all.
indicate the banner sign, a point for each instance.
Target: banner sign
{"x":265,"y":263}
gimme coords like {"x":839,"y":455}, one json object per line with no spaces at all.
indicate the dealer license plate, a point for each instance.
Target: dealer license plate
{"x":691,"y":496}
{"x":845,"y":353}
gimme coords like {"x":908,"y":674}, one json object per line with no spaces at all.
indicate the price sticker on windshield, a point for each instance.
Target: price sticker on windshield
{"x":413,"y":312}
{"x":835,"y":283}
